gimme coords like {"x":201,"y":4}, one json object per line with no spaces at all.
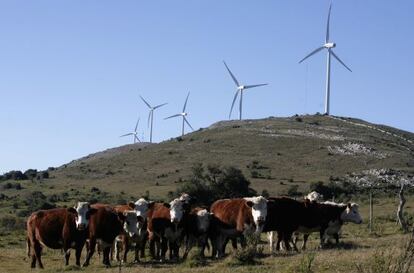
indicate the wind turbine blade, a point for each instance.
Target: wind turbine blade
{"x":136,"y":126}
{"x":173,"y":116}
{"x":137,"y":138}
{"x":149,"y":117}
{"x":327,"y":24}
{"x":234,"y":100}
{"x":255,"y":85}
{"x":149,"y":106}
{"x":126,"y":135}
{"x":231,"y":74}
{"x":186,"y":121}
{"x":185,"y":104}
{"x":339,"y":60}
{"x":312,"y":53}
{"x":161,"y":105}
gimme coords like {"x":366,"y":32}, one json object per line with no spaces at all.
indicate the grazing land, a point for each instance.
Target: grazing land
{"x":279,"y":155}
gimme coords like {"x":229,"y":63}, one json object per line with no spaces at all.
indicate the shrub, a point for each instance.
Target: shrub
{"x":305,"y":264}
{"x":293,"y":191}
{"x":11,"y":223}
{"x":249,"y":254}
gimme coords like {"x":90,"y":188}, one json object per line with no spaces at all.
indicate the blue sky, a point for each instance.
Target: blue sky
{"x":71,"y":72}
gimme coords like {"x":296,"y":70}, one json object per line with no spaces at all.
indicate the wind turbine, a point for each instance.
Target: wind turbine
{"x":240,"y":89}
{"x":329,"y":46}
{"x":183,"y":114}
{"x":151,"y":114}
{"x":134,"y":133}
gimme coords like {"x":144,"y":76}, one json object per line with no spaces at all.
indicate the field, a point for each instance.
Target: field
{"x":279,"y":155}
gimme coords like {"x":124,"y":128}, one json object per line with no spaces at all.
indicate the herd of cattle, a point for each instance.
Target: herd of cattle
{"x":167,"y":226}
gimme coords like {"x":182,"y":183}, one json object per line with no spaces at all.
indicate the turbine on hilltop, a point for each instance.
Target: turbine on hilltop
{"x":183,"y":114}
{"x":134,"y":133}
{"x":151,"y":114}
{"x":240,"y":89}
{"x":329,"y":46}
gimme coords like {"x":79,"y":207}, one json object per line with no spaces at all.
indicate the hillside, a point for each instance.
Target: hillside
{"x":274,"y":153}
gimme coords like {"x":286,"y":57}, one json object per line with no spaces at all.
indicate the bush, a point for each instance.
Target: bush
{"x":293,"y":191}
{"x":11,"y":223}
{"x":215,"y":183}
{"x":249,"y":254}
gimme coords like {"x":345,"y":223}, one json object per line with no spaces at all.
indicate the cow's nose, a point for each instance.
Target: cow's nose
{"x":81,"y":226}
{"x":174,"y":220}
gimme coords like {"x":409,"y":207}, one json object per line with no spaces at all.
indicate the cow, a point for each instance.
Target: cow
{"x":166,"y":224}
{"x":104,"y":226}
{"x":141,"y":208}
{"x":196,"y":229}
{"x":287,"y":216}
{"x":235,"y":218}
{"x":314,"y":196}
{"x":337,"y":214}
{"x":60,"y":228}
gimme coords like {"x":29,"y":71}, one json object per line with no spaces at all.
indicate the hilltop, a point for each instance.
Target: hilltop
{"x":273,"y":153}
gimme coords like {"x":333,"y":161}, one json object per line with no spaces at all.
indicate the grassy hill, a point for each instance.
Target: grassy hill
{"x":273,"y":153}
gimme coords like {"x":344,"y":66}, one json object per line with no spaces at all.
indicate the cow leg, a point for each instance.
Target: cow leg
{"x":90,"y":251}
{"x":106,"y":261}
{"x":67,"y":255}
{"x":279,"y":240}
{"x":137,"y":248}
{"x":125,"y":245}
{"x":142,"y":245}
{"x":163,"y":248}
{"x":322,"y":238}
{"x":305,"y":239}
{"x":286,"y":239}
{"x":38,"y":253}
{"x":78,"y":252}
{"x":270,"y":237}
{"x":336,"y":236}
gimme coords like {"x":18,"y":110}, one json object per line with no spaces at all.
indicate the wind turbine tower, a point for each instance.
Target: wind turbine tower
{"x":240,"y":89}
{"x":151,"y":114}
{"x":183,"y":114}
{"x":329,"y":45}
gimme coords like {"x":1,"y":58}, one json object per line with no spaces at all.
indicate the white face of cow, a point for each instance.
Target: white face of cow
{"x":351,"y":214}
{"x":314,"y":196}
{"x":130,"y":223}
{"x":141,"y":208}
{"x":82,"y":215}
{"x":203,"y":220}
{"x":176,"y":210}
{"x":186,"y":198}
{"x":259,"y":210}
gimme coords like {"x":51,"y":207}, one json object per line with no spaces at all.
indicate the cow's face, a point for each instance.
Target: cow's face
{"x":82,"y":210}
{"x":141,"y":208}
{"x":259,"y":210}
{"x":203,"y":220}
{"x":130,"y":222}
{"x":177,"y":208}
{"x":351,"y":214}
{"x":314,"y":196}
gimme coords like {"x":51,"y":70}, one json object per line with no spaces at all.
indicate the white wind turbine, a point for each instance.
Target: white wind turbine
{"x":183,"y":114}
{"x":134,"y":133}
{"x":240,"y":89}
{"x":329,"y":46}
{"x":151,"y":114}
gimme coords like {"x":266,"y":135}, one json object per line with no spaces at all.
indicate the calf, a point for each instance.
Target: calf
{"x":166,"y":224}
{"x":141,"y":208}
{"x":196,"y":230}
{"x":234,"y":218}
{"x":59,"y":228}
{"x":104,"y":226}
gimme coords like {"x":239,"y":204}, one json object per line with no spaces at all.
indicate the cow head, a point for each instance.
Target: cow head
{"x":351,"y":214}
{"x":82,"y":212}
{"x":259,"y":210}
{"x":141,"y":208}
{"x":314,"y":196}
{"x":177,"y":210}
{"x":203,"y":220}
{"x":130,"y":220}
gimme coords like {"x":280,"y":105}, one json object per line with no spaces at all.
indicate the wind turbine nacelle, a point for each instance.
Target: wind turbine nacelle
{"x":241,"y":87}
{"x":330,"y":45}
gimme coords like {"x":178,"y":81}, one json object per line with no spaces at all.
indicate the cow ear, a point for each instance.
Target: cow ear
{"x":167,"y":205}
{"x":349,"y":206}
{"x":151,"y":204}
{"x":249,"y":203}
{"x":72,"y":210}
{"x":306,"y":202}
{"x":131,"y":205}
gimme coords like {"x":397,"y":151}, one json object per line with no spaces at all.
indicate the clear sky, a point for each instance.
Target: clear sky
{"x":71,"y":72}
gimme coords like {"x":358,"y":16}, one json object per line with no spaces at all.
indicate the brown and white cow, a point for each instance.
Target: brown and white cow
{"x":166,"y":226}
{"x":104,"y":225}
{"x":234,"y":218}
{"x":61,"y":228}
{"x":141,"y":208}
